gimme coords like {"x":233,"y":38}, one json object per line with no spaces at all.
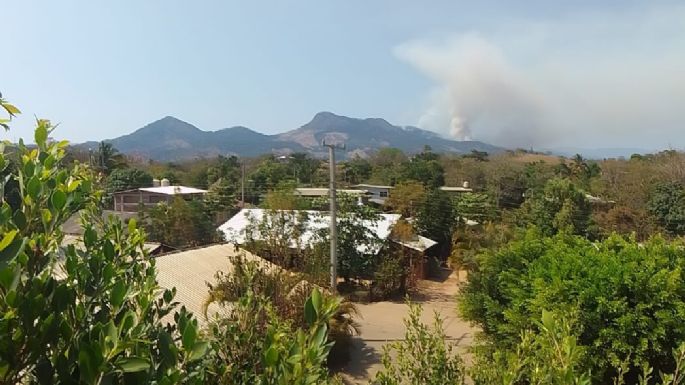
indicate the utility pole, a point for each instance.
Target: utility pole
{"x":334,"y":225}
{"x":242,"y":184}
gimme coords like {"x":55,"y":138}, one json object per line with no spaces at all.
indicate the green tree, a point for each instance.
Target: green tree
{"x":221,"y":196}
{"x":667,"y":205}
{"x":180,"y":223}
{"x":357,"y":170}
{"x":560,"y":206}
{"x":407,"y":198}
{"x":387,"y":164}
{"x":422,"y":357}
{"x":357,"y":239}
{"x":89,"y":314}
{"x":624,"y":299}
{"x":436,"y":218}
{"x":226,"y":169}
{"x":475,"y":206}
{"x":269,"y":174}
{"x":108,"y":158}
{"x":426,"y":169}
{"x":549,"y":355}
{"x":127,"y":179}
{"x":285,"y":293}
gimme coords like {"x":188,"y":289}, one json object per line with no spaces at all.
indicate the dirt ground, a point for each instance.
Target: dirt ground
{"x":382,"y":322}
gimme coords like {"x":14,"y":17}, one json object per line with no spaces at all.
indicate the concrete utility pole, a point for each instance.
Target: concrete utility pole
{"x":242,"y":184}
{"x":334,"y":225}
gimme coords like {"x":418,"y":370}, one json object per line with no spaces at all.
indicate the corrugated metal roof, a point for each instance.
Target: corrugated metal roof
{"x":73,"y":224}
{"x":420,"y":244}
{"x":173,"y":190}
{"x":70,"y":239}
{"x":189,"y":272}
{"x":235,"y":229}
{"x":455,"y":189}
{"x":322,"y":191}
{"x":363,"y":185}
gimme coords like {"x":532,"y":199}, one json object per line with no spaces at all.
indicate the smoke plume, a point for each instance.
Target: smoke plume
{"x":593,"y":81}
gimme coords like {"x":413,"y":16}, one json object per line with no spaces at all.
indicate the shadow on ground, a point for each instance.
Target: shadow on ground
{"x":367,"y":355}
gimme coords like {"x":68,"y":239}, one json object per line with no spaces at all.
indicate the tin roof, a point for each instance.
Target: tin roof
{"x":173,"y":190}
{"x":190,"y":271}
{"x":235,"y":229}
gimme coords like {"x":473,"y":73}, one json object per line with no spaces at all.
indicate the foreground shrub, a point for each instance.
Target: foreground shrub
{"x":423,"y":357}
{"x":89,"y":312}
{"x":626,"y":300}
{"x":285,"y":292}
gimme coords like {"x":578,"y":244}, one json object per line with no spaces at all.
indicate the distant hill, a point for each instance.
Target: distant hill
{"x":170,"y":139}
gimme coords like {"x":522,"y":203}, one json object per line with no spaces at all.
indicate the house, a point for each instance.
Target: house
{"x":457,"y":190}
{"x":377,"y":193}
{"x":131,"y":200}
{"x":308,"y":222}
{"x":190,"y":271}
{"x":323,"y":192}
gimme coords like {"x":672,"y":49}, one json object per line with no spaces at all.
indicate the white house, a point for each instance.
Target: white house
{"x":377,"y":193}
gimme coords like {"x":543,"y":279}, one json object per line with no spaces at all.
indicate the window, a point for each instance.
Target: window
{"x":383,"y":194}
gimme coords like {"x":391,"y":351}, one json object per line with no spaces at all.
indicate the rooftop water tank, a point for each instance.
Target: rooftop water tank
{"x":466,"y":184}
{"x":165,"y":182}
{"x":155,"y":182}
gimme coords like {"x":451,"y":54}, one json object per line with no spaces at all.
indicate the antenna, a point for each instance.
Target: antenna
{"x":332,"y":197}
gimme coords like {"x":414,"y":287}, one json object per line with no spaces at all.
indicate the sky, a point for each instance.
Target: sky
{"x":540,"y":74}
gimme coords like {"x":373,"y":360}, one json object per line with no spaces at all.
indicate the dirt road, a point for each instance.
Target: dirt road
{"x":383,"y":322}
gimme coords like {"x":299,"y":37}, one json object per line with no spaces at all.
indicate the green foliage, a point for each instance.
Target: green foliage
{"x":406,"y":198}
{"x":277,"y":235}
{"x":88,"y":313}
{"x":436,"y":218}
{"x":626,"y":299}
{"x":550,"y":355}
{"x":560,"y":206}
{"x":107,"y":158}
{"x":180,"y":223}
{"x":221,"y":196}
{"x":475,"y":206}
{"x":426,"y":169}
{"x":356,"y":170}
{"x":279,"y":295}
{"x":283,"y":197}
{"x":667,"y":205}
{"x":387,"y":165}
{"x":388,"y":279}
{"x":252,"y":345}
{"x":122,"y":179}
{"x":355,"y":228}
{"x":226,"y":169}
{"x":423,"y":357}
{"x":10,"y":110}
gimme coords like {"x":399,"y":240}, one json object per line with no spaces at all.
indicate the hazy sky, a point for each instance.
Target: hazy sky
{"x":513,"y":73}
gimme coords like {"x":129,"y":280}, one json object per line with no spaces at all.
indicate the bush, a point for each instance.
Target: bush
{"x":627,"y":300}
{"x":388,"y":278}
{"x":423,"y":357}
{"x":285,"y":293}
{"x":88,"y":314}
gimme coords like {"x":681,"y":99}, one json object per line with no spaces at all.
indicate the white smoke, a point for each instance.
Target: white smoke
{"x":598,"y":80}
{"x":478,"y":86}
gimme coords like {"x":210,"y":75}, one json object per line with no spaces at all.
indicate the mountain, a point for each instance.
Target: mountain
{"x":368,"y":135}
{"x":170,"y":139}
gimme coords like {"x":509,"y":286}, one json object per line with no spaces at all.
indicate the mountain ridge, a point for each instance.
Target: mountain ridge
{"x":172,"y":139}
